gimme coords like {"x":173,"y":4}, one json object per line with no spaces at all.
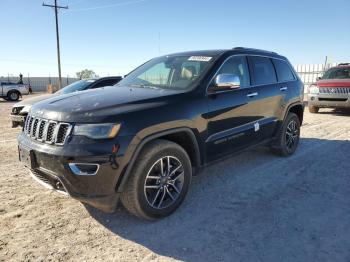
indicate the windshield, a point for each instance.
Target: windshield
{"x":168,"y":72}
{"x":337,"y":73}
{"x":76,"y":86}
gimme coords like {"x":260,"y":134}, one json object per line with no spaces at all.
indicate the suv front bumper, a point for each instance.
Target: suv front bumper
{"x":17,"y":120}
{"x":49,"y":165}
{"x":329,"y":100}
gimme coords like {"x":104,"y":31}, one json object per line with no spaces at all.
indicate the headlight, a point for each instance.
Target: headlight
{"x":97,"y":131}
{"x":26,"y":109}
{"x":313,"y":89}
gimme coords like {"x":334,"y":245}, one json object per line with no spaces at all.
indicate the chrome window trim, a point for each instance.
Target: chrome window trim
{"x":250,"y":86}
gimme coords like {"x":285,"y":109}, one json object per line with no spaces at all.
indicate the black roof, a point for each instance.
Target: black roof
{"x":222,"y":51}
{"x":201,"y":53}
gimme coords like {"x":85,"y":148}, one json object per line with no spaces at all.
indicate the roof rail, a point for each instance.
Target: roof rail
{"x":253,"y":49}
{"x":343,"y":64}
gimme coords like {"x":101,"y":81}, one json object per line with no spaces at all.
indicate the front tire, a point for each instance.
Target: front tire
{"x":313,"y":109}
{"x":159,"y":180}
{"x":13,"y":96}
{"x":288,"y":137}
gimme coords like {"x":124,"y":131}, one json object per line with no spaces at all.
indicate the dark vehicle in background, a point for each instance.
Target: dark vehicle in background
{"x":332,"y":90}
{"x":13,"y":91}
{"x":21,"y":109}
{"x":143,"y":141}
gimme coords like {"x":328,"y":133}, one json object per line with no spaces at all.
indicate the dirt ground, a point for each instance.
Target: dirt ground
{"x":252,"y":207}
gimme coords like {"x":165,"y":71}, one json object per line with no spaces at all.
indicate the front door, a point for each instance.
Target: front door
{"x":230,"y":116}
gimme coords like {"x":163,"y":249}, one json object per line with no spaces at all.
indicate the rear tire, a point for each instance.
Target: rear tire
{"x":288,"y":137}
{"x":13,"y":96}
{"x":314,"y":109}
{"x":159,"y":180}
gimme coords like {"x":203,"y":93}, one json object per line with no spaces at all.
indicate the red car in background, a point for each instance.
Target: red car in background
{"x":332,"y":90}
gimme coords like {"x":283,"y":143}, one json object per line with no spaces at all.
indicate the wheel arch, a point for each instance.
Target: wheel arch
{"x":298,"y":109}
{"x":182,"y":136}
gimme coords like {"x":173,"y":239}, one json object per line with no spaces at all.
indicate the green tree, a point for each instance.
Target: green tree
{"x":86,"y":73}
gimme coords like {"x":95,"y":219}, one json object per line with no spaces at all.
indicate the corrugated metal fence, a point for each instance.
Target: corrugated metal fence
{"x":309,"y":73}
{"x":40,"y":84}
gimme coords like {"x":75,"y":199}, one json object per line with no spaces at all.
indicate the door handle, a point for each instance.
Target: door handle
{"x":252,"y":94}
{"x":283,"y":88}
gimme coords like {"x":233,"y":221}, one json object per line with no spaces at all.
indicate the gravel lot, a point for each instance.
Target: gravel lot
{"x":252,"y":207}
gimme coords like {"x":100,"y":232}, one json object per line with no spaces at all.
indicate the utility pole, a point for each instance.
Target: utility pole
{"x":56,"y":7}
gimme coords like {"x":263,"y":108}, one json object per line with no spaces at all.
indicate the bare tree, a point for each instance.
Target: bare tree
{"x":86,"y":73}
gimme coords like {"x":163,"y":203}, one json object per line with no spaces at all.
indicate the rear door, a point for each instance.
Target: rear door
{"x":287,"y":82}
{"x":264,"y":96}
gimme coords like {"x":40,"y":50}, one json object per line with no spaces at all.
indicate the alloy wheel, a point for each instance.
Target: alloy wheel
{"x":164,"y":182}
{"x":292,"y":134}
{"x":14,"y":96}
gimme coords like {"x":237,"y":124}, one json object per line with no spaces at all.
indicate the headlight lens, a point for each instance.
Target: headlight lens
{"x":97,"y":131}
{"x":26,"y":109}
{"x":313,"y":89}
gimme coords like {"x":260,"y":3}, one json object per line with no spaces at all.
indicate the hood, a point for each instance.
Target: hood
{"x":334,"y":83}
{"x":33,"y":100}
{"x":96,"y":105}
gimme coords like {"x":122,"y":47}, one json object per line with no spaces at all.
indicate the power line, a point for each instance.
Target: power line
{"x":56,"y":7}
{"x":108,"y":6}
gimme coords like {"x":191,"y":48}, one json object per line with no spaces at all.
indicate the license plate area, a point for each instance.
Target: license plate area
{"x":27,"y":157}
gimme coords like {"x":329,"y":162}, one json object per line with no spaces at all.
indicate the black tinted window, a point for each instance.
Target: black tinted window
{"x":106,"y":82}
{"x":284,"y":73}
{"x":237,"y":65}
{"x":337,"y":73}
{"x":263,"y":70}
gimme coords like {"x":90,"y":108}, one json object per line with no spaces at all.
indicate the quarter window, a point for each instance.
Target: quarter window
{"x":284,"y":73}
{"x":237,"y":65}
{"x":262,"y":70}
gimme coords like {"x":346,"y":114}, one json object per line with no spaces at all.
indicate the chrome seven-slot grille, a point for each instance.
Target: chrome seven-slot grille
{"x":335,"y":90}
{"x":47,"y":131}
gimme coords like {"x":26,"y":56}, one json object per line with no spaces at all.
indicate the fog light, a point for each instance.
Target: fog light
{"x":84,"y":169}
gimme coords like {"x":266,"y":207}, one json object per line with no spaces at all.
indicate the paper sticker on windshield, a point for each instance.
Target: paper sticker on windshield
{"x":200,"y":58}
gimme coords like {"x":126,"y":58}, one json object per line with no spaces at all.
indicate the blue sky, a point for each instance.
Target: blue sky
{"x":114,"y":36}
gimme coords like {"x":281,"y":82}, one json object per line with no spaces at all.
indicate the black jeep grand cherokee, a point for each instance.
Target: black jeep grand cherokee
{"x":142,"y":142}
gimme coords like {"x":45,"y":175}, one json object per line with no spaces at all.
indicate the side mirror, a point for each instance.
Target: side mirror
{"x":318,"y":78}
{"x":227,"y":81}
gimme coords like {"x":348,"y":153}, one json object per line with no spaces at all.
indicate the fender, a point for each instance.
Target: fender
{"x":291,"y":105}
{"x":280,"y":122}
{"x":125,"y":175}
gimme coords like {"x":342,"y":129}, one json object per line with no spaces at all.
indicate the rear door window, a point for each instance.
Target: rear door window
{"x":284,"y":73}
{"x":263,"y":72}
